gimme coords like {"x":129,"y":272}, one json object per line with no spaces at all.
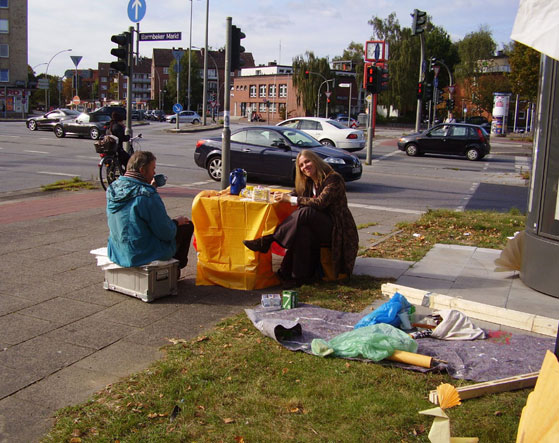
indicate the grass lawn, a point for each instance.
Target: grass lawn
{"x":234,"y":384}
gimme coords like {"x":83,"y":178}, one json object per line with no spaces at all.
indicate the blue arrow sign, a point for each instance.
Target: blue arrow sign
{"x":136,"y":10}
{"x":177,"y":107}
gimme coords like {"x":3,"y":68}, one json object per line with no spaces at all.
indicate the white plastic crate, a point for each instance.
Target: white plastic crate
{"x":148,"y":282}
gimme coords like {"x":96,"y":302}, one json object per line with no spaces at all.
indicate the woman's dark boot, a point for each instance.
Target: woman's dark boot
{"x":261,"y":244}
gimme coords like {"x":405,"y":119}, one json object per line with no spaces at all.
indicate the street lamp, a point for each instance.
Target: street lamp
{"x":40,"y":64}
{"x":189,"y":55}
{"x":46,"y":76}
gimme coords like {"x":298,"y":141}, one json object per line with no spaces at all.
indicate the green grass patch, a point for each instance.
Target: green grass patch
{"x":366,"y":225}
{"x":73,"y":184}
{"x":484,"y":229}
{"x":234,"y":384}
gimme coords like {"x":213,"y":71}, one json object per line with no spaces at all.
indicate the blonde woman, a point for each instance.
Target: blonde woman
{"x":322,"y":218}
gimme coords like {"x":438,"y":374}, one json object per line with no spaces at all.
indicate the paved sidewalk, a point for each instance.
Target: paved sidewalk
{"x":62,"y":336}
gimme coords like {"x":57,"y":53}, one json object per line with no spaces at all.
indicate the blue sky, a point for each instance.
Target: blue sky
{"x":276,"y":30}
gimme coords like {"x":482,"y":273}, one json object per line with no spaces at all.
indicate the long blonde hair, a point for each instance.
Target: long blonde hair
{"x":322,"y":170}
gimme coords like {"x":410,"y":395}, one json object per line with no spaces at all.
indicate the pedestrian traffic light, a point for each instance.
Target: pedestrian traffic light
{"x":124,"y":42}
{"x":372,"y":79}
{"x":419,"y":21}
{"x":450,"y":104}
{"x":236,"y":48}
{"x":439,"y":97}
{"x":383,"y":78}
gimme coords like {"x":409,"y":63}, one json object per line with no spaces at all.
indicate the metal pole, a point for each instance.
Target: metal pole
{"x":369,"y":131}
{"x":178,"y":70}
{"x":515,"y":114}
{"x":128,"y":130}
{"x":327,"y":90}
{"x":47,"y":76}
{"x":137,"y":55}
{"x":189,"y":56}
{"x":349,"y":106}
{"x":205,"y":93}
{"x":226,"y":138}
{"x":421,"y":77}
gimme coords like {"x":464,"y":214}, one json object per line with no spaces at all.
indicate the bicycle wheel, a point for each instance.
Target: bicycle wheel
{"x":109,"y":171}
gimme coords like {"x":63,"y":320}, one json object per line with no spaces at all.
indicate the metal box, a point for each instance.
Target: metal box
{"x":147,"y":282}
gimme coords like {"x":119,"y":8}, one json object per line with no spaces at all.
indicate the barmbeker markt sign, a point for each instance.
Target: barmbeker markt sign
{"x":158,"y":36}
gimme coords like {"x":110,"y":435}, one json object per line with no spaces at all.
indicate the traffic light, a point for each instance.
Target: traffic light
{"x":236,"y":48}
{"x":124,"y":42}
{"x":433,"y":63}
{"x":439,"y":97}
{"x":307,"y":74}
{"x":450,"y":104}
{"x":420,"y":89}
{"x":383,"y":78}
{"x":428,"y":91}
{"x":419,"y":21}
{"x":372,"y":79}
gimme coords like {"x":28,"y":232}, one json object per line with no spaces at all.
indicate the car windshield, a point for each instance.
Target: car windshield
{"x":337,"y":124}
{"x":299,"y":138}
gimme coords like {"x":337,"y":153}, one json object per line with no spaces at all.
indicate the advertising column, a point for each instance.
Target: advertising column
{"x":500,"y":113}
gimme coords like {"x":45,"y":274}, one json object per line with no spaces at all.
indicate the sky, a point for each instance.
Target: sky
{"x":276,"y":30}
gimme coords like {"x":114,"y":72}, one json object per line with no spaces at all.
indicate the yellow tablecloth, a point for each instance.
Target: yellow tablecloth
{"x":221,"y":223}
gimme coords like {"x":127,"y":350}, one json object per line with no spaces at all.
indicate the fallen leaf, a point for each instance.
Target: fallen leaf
{"x":202,"y":338}
{"x":75,"y":440}
{"x":228,"y":420}
{"x":498,"y":413}
{"x":347,"y":365}
{"x":76,"y":432}
{"x":284,"y":371}
{"x":153,"y":415}
{"x":239,"y":439}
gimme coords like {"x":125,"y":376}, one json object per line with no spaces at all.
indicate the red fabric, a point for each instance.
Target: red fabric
{"x":194,"y":243}
{"x":277,"y":249}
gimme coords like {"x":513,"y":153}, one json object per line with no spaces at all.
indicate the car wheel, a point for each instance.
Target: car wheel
{"x":327,"y":142}
{"x":32,"y":125}
{"x":195,"y":121}
{"x":473,"y":154}
{"x":94,"y":133}
{"x":214,"y":167}
{"x":412,"y":150}
{"x":59,"y":131}
{"x":173,"y":120}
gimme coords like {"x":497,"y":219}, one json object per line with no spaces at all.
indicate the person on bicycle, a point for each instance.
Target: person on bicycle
{"x":140,"y":229}
{"x":117,"y":127}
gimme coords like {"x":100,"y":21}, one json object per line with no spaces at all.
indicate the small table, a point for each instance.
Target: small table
{"x":221,"y":223}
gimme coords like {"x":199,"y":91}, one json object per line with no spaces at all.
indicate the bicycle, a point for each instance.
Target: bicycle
{"x":110,"y":168}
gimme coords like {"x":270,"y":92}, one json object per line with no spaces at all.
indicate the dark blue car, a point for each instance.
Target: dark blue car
{"x":270,"y":152}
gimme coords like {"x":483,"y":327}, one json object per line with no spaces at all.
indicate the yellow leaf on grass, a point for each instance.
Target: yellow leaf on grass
{"x":228,"y":420}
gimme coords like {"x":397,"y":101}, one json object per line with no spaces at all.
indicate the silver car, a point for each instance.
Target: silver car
{"x":184,"y":117}
{"x":328,"y":132}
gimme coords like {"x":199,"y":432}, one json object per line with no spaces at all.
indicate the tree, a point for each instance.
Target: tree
{"x":196,"y":89}
{"x":405,"y":54}
{"x":524,"y":71}
{"x":307,"y":88}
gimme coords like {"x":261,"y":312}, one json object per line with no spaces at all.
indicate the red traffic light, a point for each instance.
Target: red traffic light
{"x":307,"y":74}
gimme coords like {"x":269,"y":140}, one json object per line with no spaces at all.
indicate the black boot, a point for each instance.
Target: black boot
{"x":261,"y":244}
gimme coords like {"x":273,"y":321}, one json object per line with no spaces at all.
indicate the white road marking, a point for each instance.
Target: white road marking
{"x":166,"y":164}
{"x":57,"y":173}
{"x":36,"y":152}
{"x":385,"y":156}
{"x":385,"y":208}
{"x":468,"y":197}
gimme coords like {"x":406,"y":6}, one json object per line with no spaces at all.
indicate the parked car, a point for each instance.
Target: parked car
{"x":343,"y":119}
{"x":270,"y":152}
{"x":328,"y":132}
{"x":462,"y":139}
{"x":51,"y":118}
{"x":109,"y":109}
{"x":137,"y":114}
{"x":481,"y":121}
{"x":184,"y":117}
{"x":157,"y":115}
{"x":91,"y":125}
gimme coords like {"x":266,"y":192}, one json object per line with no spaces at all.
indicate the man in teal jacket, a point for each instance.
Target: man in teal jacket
{"x":140,"y":229}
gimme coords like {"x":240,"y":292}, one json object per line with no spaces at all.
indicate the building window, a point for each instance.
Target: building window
{"x":283,"y":91}
{"x":4,"y":51}
{"x":103,"y":87}
{"x":166,"y":71}
{"x":3,"y":3}
{"x":4,"y":28}
{"x":272,"y":107}
{"x":262,"y":91}
{"x":4,"y":75}
{"x":272,"y":90}
{"x":262,"y":107}
{"x":253,"y":90}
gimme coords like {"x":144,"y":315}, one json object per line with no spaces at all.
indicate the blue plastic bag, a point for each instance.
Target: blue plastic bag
{"x":237,"y":180}
{"x":386,"y":313}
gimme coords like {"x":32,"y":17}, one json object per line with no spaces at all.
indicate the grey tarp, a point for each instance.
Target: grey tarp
{"x":502,"y":355}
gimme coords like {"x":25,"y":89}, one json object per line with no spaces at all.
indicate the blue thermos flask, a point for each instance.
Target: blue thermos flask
{"x":237,"y":180}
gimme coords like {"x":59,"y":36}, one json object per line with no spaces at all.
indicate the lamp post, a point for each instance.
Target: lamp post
{"x":40,"y":64}
{"x":207,"y":53}
{"x":189,"y":56}
{"x":46,"y":76}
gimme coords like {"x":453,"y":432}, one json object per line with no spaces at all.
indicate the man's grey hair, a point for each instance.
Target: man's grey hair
{"x":138,"y":160}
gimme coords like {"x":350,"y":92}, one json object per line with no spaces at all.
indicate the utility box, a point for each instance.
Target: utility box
{"x":148,"y":282}
{"x":540,"y":258}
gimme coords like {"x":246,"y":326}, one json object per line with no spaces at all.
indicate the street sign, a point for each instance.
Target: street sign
{"x":43,"y":83}
{"x":177,"y":107}
{"x":436,"y":69}
{"x":451,"y":89}
{"x":76,"y":100}
{"x":376,"y":51}
{"x":136,"y":10}
{"x":327,"y":94}
{"x":159,"y":36}
{"x":76,"y":59}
